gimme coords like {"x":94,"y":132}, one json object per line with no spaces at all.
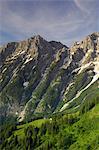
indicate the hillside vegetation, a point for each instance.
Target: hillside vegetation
{"x":62,"y":131}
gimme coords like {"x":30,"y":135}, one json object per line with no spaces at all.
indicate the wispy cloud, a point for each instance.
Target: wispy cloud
{"x":57,"y":20}
{"x":81,"y":5}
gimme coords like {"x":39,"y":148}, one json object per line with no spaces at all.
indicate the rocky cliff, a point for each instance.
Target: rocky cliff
{"x":41,"y":77}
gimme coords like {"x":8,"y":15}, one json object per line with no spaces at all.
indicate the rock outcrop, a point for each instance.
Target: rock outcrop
{"x":38,"y":76}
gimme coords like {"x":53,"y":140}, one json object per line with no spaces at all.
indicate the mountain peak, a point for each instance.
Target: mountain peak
{"x":36,"y":73}
{"x":38,"y":37}
{"x":95,"y":34}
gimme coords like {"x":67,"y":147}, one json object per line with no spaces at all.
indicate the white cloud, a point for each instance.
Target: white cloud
{"x":46,"y":22}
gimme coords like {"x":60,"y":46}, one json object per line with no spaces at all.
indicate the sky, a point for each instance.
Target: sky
{"x":66,"y":21}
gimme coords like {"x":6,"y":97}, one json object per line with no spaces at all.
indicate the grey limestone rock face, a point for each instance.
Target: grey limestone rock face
{"x":37,"y":74}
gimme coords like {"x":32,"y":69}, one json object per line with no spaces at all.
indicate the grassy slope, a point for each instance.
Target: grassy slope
{"x":20,"y":128}
{"x":87,"y":131}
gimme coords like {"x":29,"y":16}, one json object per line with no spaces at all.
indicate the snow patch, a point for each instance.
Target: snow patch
{"x":4,"y":70}
{"x":28,"y":60}
{"x":84,"y":66}
{"x":64,"y":106}
{"x":95,"y":78}
{"x":67,"y":89}
{"x":95,"y":41}
{"x":16,"y":113}
{"x":49,"y":106}
{"x":33,"y":67}
{"x":75,"y":70}
{"x":25,"y":84}
{"x":22,"y":52}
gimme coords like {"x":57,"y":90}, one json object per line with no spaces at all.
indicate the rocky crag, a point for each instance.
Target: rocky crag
{"x":41,"y":77}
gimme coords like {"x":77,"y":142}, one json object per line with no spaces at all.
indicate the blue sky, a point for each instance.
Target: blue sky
{"x":61,"y":20}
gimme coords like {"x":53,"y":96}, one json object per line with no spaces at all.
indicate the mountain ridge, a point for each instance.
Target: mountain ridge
{"x":38,"y":76}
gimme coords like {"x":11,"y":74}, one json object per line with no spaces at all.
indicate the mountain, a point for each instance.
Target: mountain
{"x":41,"y":77}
